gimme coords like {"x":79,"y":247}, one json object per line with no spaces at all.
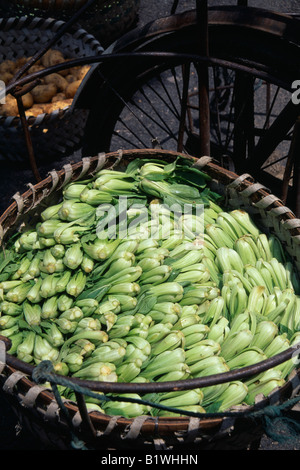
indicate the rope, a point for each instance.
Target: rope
{"x":271,"y":415}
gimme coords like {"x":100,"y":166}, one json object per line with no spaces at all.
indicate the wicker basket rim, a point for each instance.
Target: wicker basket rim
{"x":56,"y":181}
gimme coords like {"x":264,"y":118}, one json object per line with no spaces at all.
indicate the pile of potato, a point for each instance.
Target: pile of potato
{"x":56,"y":90}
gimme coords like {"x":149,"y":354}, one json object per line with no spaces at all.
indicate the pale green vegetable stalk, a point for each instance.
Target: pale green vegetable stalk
{"x":198,"y":295}
{"x":23,"y":267}
{"x":87,"y":264}
{"x":249,"y":356}
{"x":189,"y":408}
{"x":278,"y":344}
{"x":87,"y":306}
{"x":158,"y":331}
{"x":265,"y":332}
{"x":43,"y":350}
{"x":129,"y":371}
{"x":257,"y":299}
{"x":167,"y":292}
{"x":76,"y":284}
{"x":58,"y":251}
{"x":174,"y":375}
{"x":209,"y":365}
{"x":177,"y":399}
{"x":195,"y":277}
{"x":185,"y":321}
{"x":48,"y":262}
{"x":235,"y":343}
{"x":227,"y":258}
{"x":219,"y":330}
{"x":73,"y":190}
{"x":74,"y":361}
{"x":102,"y":371}
{"x":245,"y":222}
{"x":205,"y":348}
{"x":163,"y":363}
{"x":94,"y":197}
{"x":264,"y":387}
{"x":100,"y":249}
{"x":25,"y":348}
{"x":72,"y":210}
{"x":61,"y":282}
{"x":192,"y":337}
{"x":106,"y":353}
{"x":10,"y":308}
{"x":51,"y":212}
{"x":125,"y":261}
{"x":49,"y":286}
{"x":126,"y":409}
{"x":234,"y":395}
{"x":130,"y":288}
{"x":73,"y":314}
{"x":212,"y":365}
{"x":65,"y":325}
{"x":7,"y":321}
{"x":238,"y":300}
{"x":48,"y":227}
{"x":88,"y":324}
{"x":219,"y":237}
{"x":156,"y":275}
{"x":172,"y":340}
{"x":229,"y":225}
{"x":125,"y":302}
{"x":112,"y":304}
{"x":19,"y":293}
{"x":214,"y":311}
{"x":245,"y":250}
{"x":64,"y":302}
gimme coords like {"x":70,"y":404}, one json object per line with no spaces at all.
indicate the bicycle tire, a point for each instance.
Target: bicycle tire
{"x":251,"y":41}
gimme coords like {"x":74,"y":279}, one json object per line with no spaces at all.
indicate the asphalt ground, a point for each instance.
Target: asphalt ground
{"x":16,"y":177}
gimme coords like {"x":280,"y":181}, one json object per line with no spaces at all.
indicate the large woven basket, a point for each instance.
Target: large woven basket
{"x":58,"y":133}
{"x":106,"y":20}
{"x":35,"y":405}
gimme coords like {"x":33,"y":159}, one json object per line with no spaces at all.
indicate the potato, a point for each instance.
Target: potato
{"x":71,"y":89}
{"x":51,"y":107}
{"x":57,"y":80}
{"x":35,"y":68}
{"x":52,"y":57}
{"x":44,"y":93}
{"x":10,"y":108}
{"x":70,"y":78}
{"x":35,"y":111}
{"x":6,"y":77}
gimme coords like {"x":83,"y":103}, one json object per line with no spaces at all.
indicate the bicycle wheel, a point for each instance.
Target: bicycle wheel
{"x":144,"y":101}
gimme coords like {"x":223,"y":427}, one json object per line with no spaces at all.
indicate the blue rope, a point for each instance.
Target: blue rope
{"x":271,"y":415}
